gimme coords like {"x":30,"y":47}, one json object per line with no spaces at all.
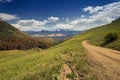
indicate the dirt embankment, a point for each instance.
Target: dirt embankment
{"x":64,"y":71}
{"x":68,"y":69}
{"x":104,"y":62}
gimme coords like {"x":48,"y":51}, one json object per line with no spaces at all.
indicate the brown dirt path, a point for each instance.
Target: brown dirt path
{"x":104,"y":62}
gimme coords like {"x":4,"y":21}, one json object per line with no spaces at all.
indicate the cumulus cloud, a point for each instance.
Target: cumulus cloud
{"x":99,"y":15}
{"x":106,"y":13}
{"x":29,"y":28}
{"x":32,"y":24}
{"x":92,"y":9}
{"x":6,"y":0}
{"x":64,"y":26}
{"x":8,"y":17}
{"x":53,"y":19}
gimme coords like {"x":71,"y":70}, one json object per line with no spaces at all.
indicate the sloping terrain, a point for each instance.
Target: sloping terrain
{"x":96,"y":35}
{"x":12,"y":38}
{"x":46,"y":64}
{"x":7,"y":30}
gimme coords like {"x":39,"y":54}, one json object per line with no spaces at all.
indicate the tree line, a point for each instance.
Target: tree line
{"x":7,"y":43}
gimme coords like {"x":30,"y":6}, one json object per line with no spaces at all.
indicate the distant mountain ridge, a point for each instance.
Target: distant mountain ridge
{"x":58,"y":35}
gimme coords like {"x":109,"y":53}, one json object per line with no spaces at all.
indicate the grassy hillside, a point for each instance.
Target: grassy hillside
{"x":6,"y":30}
{"x":43,"y":65}
{"x":96,"y":36}
{"x":46,"y":64}
{"x":12,"y":38}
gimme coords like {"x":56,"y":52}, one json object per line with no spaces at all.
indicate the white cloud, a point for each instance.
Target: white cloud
{"x":8,"y":17}
{"x":53,"y":19}
{"x":6,"y":0}
{"x":32,"y":24}
{"x":99,"y":15}
{"x":29,"y":28}
{"x":92,"y":9}
{"x":64,"y":26}
{"x":107,"y":14}
{"x":89,"y":8}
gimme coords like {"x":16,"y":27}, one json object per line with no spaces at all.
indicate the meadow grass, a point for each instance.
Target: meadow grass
{"x":42,"y":65}
{"x":46,"y":64}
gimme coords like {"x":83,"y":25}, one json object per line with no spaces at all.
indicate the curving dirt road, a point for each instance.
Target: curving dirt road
{"x":104,"y":62}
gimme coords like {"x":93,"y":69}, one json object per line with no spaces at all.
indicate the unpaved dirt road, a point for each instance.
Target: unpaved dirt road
{"x":104,"y":62}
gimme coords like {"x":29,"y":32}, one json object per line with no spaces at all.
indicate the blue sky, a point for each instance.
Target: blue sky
{"x":53,"y":14}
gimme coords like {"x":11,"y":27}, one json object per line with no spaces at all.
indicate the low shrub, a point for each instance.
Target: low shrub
{"x":110,"y":38}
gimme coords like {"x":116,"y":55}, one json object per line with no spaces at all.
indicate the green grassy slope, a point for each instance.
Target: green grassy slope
{"x":96,"y":35}
{"x":45,"y":65}
{"x":7,"y":30}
